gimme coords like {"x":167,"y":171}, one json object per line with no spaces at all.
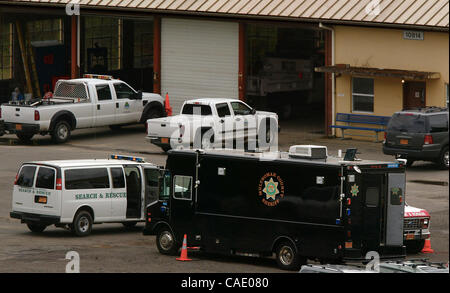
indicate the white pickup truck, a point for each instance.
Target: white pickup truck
{"x":213,"y":122}
{"x":92,"y":101}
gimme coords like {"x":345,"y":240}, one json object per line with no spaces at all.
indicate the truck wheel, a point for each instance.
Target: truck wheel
{"x":409,"y":163}
{"x":288,"y":258}
{"x":36,"y":228}
{"x":414,"y":246}
{"x":82,"y":224}
{"x":166,"y":242}
{"x":151,"y":114}
{"x":24,"y":137}
{"x":61,"y":132}
{"x":443,"y":159}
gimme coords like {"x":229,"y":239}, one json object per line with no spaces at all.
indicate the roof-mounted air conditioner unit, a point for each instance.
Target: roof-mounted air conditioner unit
{"x":308,"y":152}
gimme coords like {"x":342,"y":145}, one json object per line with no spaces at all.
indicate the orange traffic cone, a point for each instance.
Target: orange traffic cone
{"x":183,"y":256}
{"x":167,"y":106}
{"x":427,"y":247}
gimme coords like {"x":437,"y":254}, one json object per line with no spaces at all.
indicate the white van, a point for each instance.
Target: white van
{"x":79,"y":193}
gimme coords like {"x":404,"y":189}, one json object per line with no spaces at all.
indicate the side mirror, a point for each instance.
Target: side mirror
{"x":138,"y":95}
{"x":253,"y":112}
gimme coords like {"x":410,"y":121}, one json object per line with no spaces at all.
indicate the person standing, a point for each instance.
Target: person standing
{"x":17,"y":96}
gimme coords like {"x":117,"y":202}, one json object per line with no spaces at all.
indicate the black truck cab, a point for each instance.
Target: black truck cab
{"x":302,"y":204}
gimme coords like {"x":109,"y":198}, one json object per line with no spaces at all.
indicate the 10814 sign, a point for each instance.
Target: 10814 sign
{"x":413,"y":35}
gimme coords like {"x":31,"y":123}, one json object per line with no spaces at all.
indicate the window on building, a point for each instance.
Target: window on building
{"x":363,"y":94}
{"x":143,"y":45}
{"x":45,"y":31}
{"x":103,"y":43}
{"x":6,"y":51}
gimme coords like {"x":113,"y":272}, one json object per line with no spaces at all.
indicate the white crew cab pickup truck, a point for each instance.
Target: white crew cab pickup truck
{"x":93,"y":101}
{"x":213,"y":122}
{"x":80,"y":193}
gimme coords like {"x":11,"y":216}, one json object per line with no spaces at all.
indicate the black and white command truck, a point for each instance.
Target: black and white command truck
{"x":300,"y":205}
{"x":92,"y":101}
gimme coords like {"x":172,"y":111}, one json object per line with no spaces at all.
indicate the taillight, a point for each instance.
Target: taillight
{"x":58,"y":184}
{"x":428,"y":139}
{"x":17,"y":177}
{"x":385,"y":136}
{"x":37,"y":116}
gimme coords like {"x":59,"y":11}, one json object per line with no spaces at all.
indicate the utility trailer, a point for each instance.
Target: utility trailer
{"x":299,"y":205}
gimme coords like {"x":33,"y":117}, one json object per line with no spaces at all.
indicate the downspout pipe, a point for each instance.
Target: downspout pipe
{"x":333,"y":86}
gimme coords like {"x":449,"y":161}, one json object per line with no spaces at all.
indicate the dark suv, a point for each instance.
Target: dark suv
{"x":420,"y":134}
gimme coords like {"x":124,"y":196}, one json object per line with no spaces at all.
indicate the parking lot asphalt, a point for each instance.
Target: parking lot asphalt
{"x":114,"y":248}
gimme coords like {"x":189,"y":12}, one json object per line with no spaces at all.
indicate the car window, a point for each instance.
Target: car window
{"x":45,"y":178}
{"x":26,"y":176}
{"x":439,"y":123}
{"x":94,"y":178}
{"x":117,"y":177}
{"x":182,"y":187}
{"x":193,"y":109}
{"x":406,"y":122}
{"x":223,"y":110}
{"x":240,"y":108}
{"x":123,"y":91}
{"x":103,"y":92}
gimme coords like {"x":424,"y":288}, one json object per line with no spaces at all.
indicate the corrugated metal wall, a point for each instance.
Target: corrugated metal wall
{"x":199,"y":59}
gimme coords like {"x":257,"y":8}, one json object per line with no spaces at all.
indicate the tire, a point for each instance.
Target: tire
{"x":166,"y":242}
{"x":151,"y":114}
{"x":24,"y":137}
{"x":36,"y":228}
{"x":443,"y":159}
{"x":414,"y":246}
{"x":82,"y":223}
{"x":129,"y":224}
{"x":288,"y":258}
{"x":266,"y":137}
{"x":207,"y":143}
{"x":61,"y":132}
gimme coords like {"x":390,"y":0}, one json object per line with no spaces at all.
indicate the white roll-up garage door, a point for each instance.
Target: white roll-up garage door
{"x":199,"y":59}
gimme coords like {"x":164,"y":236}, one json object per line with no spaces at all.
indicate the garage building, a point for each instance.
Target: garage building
{"x":306,"y":59}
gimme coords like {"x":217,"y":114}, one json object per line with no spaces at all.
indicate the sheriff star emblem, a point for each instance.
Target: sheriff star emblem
{"x":354,"y":190}
{"x":271,"y":189}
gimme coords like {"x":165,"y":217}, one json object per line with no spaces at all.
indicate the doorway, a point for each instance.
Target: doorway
{"x":414,"y":95}
{"x":133,"y":179}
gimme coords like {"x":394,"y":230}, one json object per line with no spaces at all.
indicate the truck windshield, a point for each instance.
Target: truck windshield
{"x":192,"y":109}
{"x":407,"y":123}
{"x":164,"y":192}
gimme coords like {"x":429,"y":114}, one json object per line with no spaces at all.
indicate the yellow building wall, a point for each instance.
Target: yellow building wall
{"x":386,"y":48}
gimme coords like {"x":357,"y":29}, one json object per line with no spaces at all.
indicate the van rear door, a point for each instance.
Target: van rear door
{"x":395,"y":209}
{"x":46,"y":198}
{"x":23,"y":189}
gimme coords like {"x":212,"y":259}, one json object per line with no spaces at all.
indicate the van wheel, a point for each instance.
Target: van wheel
{"x":36,"y":228}
{"x":129,"y":224}
{"x":82,"y":224}
{"x":166,"y":242}
{"x":443,"y":159}
{"x":24,"y":137}
{"x":61,"y":132}
{"x":288,"y":258}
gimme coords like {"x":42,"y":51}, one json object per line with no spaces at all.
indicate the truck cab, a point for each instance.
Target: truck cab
{"x":301,"y":205}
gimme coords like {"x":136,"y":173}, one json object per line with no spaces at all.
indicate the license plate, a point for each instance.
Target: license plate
{"x":404,"y":141}
{"x":164,"y":140}
{"x":18,"y":126}
{"x":409,"y":236}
